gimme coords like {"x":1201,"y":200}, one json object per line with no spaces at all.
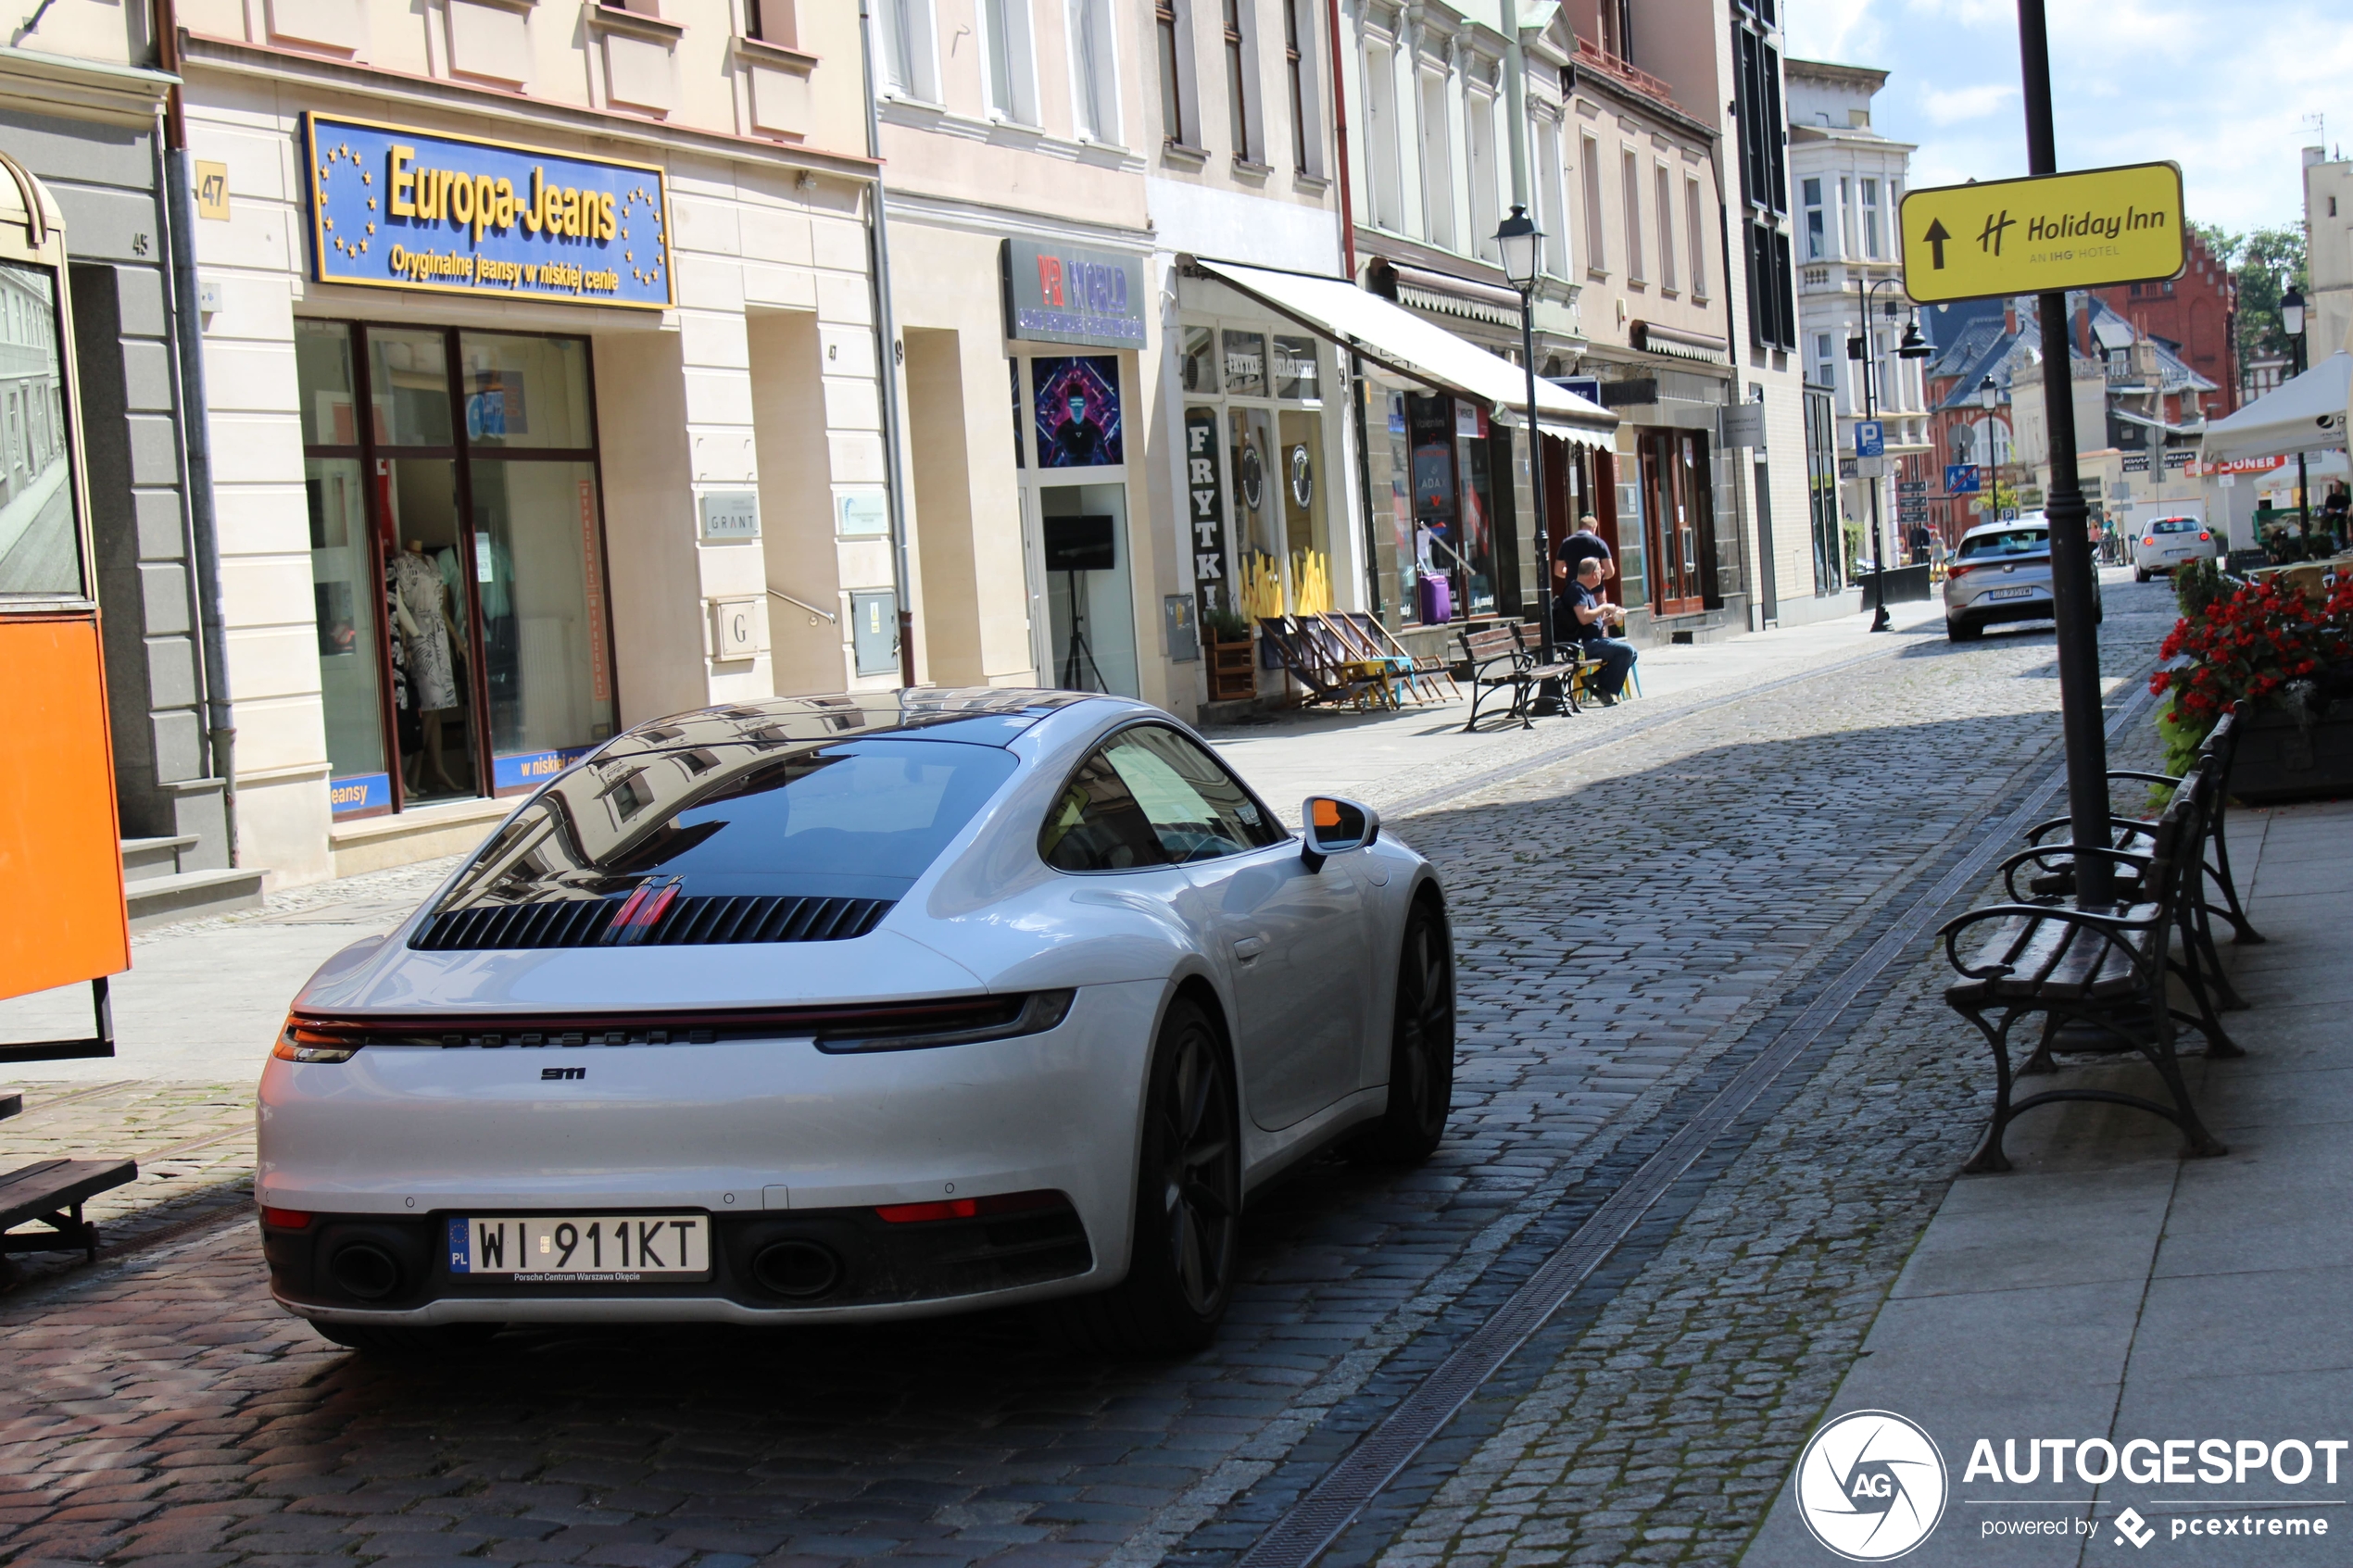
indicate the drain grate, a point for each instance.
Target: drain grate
{"x":1328,"y":1508}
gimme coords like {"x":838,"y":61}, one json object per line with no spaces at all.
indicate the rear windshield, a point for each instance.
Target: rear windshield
{"x":858,"y":818}
{"x":2175,"y":525}
{"x":2009,"y":542}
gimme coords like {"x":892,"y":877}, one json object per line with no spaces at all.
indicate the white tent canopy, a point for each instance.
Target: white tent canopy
{"x":2306,"y":414}
{"x":1420,"y":350}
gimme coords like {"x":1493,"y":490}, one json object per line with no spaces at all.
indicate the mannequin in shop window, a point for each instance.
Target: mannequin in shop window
{"x":432,"y":645}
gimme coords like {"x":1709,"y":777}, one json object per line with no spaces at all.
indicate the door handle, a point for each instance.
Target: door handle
{"x":1249,"y":948}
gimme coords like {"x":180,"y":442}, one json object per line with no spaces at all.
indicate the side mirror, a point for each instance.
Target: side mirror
{"x":1334,"y":827}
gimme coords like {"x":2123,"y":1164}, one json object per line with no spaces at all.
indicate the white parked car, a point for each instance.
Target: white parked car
{"x":2164,"y":543}
{"x":849,"y":1007}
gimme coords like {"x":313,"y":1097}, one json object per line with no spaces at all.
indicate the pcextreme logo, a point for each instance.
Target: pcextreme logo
{"x":1870,"y":1485}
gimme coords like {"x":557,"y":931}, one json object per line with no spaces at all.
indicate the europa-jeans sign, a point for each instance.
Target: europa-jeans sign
{"x":392,"y":206}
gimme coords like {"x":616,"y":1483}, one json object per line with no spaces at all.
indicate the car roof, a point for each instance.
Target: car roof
{"x":2029,"y":520}
{"x":982,"y":715}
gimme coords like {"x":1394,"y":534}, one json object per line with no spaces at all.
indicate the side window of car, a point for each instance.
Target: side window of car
{"x":1096,"y":825}
{"x":1198,"y":810}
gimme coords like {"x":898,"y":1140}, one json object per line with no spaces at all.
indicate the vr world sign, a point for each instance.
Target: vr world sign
{"x":392,"y":206}
{"x":2045,"y":235}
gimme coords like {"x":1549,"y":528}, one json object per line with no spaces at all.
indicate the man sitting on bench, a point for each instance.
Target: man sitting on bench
{"x":1589,"y":617}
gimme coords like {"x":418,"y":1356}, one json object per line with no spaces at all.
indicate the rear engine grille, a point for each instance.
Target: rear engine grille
{"x":588,"y":923}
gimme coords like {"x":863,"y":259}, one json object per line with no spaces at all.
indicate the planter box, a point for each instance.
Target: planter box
{"x":2277,"y":762}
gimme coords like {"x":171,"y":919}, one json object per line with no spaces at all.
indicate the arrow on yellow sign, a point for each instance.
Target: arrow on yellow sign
{"x":2057,"y":232}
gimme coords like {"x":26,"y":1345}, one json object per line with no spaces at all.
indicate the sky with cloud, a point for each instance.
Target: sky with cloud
{"x":2224,"y":89}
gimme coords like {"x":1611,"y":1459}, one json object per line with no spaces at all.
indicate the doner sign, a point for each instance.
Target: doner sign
{"x":2057,"y":232}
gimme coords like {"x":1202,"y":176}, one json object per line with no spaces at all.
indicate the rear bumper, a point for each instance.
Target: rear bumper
{"x":1985,"y":610}
{"x":882,"y":1270}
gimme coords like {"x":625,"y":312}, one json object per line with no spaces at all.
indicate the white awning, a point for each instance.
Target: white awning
{"x":1422,"y":351}
{"x":2306,"y":414}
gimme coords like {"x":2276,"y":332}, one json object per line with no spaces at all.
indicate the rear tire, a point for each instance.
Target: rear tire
{"x":1962,"y":631}
{"x":1188,"y":1199}
{"x":390,"y":1341}
{"x":2139,"y":575}
{"x":1421,"y":1047}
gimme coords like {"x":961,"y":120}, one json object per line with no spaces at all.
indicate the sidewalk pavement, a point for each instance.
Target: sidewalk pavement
{"x":2107,"y":1289}
{"x":204,"y":999}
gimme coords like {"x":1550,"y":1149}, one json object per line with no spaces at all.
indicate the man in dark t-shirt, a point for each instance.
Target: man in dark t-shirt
{"x":1585,"y":620}
{"x":1569,"y":555}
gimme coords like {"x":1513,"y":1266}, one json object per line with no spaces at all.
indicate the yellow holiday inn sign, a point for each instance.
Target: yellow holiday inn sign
{"x":2046,"y":235}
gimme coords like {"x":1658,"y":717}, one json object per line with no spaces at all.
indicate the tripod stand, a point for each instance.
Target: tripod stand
{"x":1079,"y":659}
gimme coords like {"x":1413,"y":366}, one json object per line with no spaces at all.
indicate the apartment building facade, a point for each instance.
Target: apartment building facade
{"x":543,"y":392}
{"x":1854,"y":320}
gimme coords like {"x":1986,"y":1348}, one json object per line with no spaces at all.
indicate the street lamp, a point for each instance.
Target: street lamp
{"x":1989,"y":398}
{"x":2292,"y":318}
{"x":1516,"y":239}
{"x":1860,"y":347}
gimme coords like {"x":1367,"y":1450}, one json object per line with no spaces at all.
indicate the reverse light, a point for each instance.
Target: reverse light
{"x":306,"y":1039}
{"x":969,"y":1208}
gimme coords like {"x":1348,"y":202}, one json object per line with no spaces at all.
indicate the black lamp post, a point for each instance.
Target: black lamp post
{"x":1858,"y":348}
{"x":1989,"y":398}
{"x":1515,"y":238}
{"x":2292,"y":318}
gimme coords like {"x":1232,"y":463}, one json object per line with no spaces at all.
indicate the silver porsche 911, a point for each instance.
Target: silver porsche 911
{"x":869,"y":1006}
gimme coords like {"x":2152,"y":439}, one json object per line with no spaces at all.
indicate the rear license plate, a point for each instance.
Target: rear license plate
{"x":580,"y":1248}
{"x":2011,"y":594}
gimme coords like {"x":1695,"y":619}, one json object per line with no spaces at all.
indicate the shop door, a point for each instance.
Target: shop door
{"x":1669,"y":480}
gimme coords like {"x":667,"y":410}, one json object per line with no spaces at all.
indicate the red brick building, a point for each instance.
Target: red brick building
{"x":2197,"y":310}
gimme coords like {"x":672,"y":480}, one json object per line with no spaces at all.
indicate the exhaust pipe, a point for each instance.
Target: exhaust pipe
{"x":365,"y":1270}
{"x":798,"y":1269}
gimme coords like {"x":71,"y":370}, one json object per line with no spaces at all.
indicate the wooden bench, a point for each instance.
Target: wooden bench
{"x":1500,"y":660}
{"x":51,"y":1193}
{"x":2096,"y":978}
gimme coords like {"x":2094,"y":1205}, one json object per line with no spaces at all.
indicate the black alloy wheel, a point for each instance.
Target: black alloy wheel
{"x":1421,"y":1049}
{"x":1188,"y":1199}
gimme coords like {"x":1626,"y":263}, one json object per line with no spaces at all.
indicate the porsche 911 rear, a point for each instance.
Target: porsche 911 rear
{"x":747,"y":1166}
{"x":664,"y":1050}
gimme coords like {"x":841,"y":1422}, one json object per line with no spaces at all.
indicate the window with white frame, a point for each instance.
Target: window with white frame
{"x":1845,"y":216}
{"x":1299,"y":77}
{"x":1669,"y":279}
{"x":1008,"y":61}
{"x":1380,"y":138}
{"x":1589,"y":167}
{"x":1825,"y":360}
{"x":1438,"y":165}
{"x":1695,"y":225}
{"x":1871,"y":220}
{"x":1552,"y":216}
{"x":1818,"y":234}
{"x":1237,"y":83}
{"x":1479,"y":114}
{"x":910,"y":58}
{"x":1630,"y":167}
{"x":1094,"y":85}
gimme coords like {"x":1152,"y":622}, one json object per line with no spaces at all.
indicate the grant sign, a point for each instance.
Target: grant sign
{"x":2043,"y":235}
{"x":396,"y":207}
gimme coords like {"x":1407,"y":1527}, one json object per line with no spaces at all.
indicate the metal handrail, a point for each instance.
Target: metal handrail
{"x":804,"y":604}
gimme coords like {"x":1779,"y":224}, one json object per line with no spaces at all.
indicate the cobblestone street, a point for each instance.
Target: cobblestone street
{"x":1640,"y":897}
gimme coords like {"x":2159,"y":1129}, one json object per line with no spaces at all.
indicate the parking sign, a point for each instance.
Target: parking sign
{"x":1871,"y":438}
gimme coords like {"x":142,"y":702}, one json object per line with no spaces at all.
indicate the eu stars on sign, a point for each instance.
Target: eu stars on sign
{"x":2046,"y":235}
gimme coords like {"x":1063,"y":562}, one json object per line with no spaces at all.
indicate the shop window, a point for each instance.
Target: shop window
{"x":1246,"y":364}
{"x":1679,"y":509}
{"x":1295,"y":369}
{"x":1199,"y":364}
{"x":1092,"y":635}
{"x":456,"y":560}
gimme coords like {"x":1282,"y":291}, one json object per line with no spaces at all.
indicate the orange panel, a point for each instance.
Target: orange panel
{"x":60,"y":861}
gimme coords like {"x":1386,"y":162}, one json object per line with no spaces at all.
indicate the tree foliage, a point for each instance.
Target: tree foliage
{"x":2263,"y":262}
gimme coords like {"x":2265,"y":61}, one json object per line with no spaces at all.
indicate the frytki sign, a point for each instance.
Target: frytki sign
{"x":393,"y":207}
